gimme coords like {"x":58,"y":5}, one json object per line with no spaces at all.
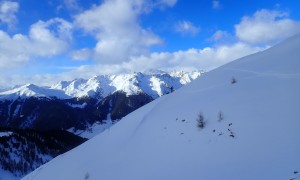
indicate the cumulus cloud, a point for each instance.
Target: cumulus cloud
{"x":206,"y":59}
{"x":186,"y":28}
{"x":8,"y":10}
{"x":115,"y":26}
{"x":82,"y":54}
{"x":122,"y":44}
{"x":45,"y":38}
{"x":191,"y":59}
{"x":266,"y":27}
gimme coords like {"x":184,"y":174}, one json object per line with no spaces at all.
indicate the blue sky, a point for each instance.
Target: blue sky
{"x":43,"y":42}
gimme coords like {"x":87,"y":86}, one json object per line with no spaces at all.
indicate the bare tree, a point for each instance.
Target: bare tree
{"x":220,"y":116}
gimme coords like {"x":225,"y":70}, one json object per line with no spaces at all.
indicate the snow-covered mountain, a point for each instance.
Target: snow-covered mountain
{"x":31,"y":90}
{"x":240,"y":121}
{"x":154,"y":84}
{"x":85,"y":106}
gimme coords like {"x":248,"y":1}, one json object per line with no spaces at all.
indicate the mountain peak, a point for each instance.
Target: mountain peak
{"x":31,"y":90}
{"x":131,"y":83}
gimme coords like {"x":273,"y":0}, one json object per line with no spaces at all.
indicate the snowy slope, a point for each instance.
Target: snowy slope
{"x":251,"y":129}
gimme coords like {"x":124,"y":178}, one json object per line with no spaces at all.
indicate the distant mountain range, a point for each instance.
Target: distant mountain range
{"x":80,"y":104}
{"x":154,"y":84}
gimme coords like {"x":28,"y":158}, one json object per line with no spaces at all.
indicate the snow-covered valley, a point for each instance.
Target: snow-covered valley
{"x":250,"y":112}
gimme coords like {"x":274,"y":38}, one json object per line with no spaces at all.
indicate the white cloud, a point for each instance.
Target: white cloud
{"x":186,"y":28}
{"x":205,"y":59}
{"x":219,"y":35}
{"x":72,"y":4}
{"x":117,"y":31}
{"x":82,"y":54}
{"x":191,"y":59}
{"x":44,"y":39}
{"x":123,"y":44}
{"x":49,"y":41}
{"x":266,"y":27}
{"x":216,"y":4}
{"x":8,"y":10}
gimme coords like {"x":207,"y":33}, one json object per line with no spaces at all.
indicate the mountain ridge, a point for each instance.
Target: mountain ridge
{"x":154,"y":84}
{"x":81,"y":104}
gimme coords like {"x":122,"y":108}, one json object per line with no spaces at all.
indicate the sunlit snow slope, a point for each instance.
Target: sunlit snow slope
{"x":252,"y":129}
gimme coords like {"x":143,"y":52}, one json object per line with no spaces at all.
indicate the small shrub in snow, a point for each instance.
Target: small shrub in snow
{"x":200,"y":121}
{"x":87,"y":176}
{"x":233,"y":80}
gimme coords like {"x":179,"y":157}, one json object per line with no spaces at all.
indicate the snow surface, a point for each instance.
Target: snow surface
{"x":257,"y":136}
{"x":93,"y":130}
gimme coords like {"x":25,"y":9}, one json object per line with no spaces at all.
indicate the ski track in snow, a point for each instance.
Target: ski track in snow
{"x":154,"y":109}
{"x":145,"y":117}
